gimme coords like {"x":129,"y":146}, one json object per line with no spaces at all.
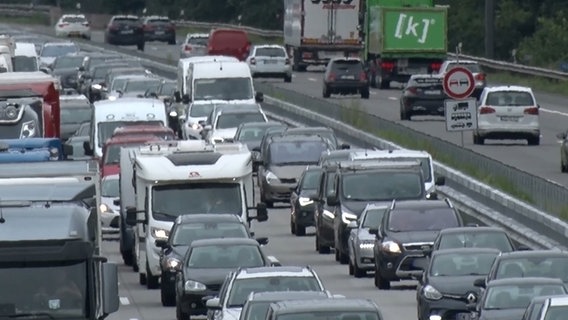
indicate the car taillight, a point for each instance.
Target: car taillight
{"x":147,"y":27}
{"x":113,"y":28}
{"x":531,"y":110}
{"x":187,"y":47}
{"x":435,"y":66}
{"x":480,"y":77}
{"x":388,"y":66}
{"x":486,"y":110}
{"x":171,"y":27}
{"x":362,"y":76}
{"x":287,"y":61}
{"x":61,"y":25}
{"x":331,"y":76}
{"x":252,"y":61}
{"x":412,"y":90}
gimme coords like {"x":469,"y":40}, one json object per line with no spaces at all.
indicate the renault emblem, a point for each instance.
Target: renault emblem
{"x":471,"y":297}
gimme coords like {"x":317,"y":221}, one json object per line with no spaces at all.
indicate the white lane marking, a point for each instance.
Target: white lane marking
{"x":313,"y":79}
{"x":554,"y":112}
{"x":393,"y":98}
{"x":124,"y":301}
{"x":373,"y":92}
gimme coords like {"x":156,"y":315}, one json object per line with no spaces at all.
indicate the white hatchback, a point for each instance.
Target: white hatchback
{"x":270,"y":61}
{"x":507,"y":112}
{"x":73,"y":25}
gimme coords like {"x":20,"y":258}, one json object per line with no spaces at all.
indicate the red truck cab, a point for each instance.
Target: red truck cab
{"x":161,"y":132}
{"x":38,"y":94}
{"x":229,"y":42}
{"x":110,"y":162}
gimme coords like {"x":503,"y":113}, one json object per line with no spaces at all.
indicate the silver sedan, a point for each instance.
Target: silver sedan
{"x":361,"y":243}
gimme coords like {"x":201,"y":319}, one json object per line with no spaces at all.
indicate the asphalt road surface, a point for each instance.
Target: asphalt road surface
{"x":543,"y":160}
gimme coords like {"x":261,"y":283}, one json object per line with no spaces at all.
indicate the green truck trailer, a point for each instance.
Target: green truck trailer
{"x":403,"y":38}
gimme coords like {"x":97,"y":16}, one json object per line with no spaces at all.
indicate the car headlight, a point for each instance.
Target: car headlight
{"x":390,"y":246}
{"x":54,"y":154}
{"x":303,"y":201}
{"x":97,"y":86}
{"x":173,"y":114}
{"x":158,"y":233}
{"x":347,"y":217}
{"x":367,"y":244}
{"x":431,"y":293}
{"x":112,"y":98}
{"x":105,"y":209}
{"x":28,"y":129}
{"x":196,"y":126}
{"x":271,"y":177}
{"x":193,"y":286}
{"x":217,"y":140}
{"x":173,"y":264}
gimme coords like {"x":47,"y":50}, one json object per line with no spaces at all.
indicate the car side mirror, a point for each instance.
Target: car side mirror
{"x":259,"y":97}
{"x":427,"y":251}
{"x":332,"y":199}
{"x":313,"y":196}
{"x":262,"y":241}
{"x":185,"y":99}
{"x":131,"y":216}
{"x":87,"y":148}
{"x":213,"y":304}
{"x":45,"y":70}
{"x":480,"y":283}
{"x":166,"y":99}
{"x":432,"y":196}
{"x":273,"y":261}
{"x":523,"y":248}
{"x":345,"y":146}
{"x":352,"y":225}
{"x":374,"y":231}
{"x":440,"y":181}
{"x":116,"y":202}
{"x":110,"y":300}
{"x":161,"y":243}
{"x":177,"y":96}
{"x":261,"y":212}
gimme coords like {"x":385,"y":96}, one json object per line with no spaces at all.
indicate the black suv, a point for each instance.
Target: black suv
{"x":158,"y":28}
{"x":407,"y":230}
{"x":345,"y":76}
{"x":303,"y":207}
{"x":423,"y":95}
{"x":126,"y":31}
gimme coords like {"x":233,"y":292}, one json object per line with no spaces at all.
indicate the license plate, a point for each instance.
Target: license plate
{"x":348,"y":77}
{"x":510,"y":119}
{"x":432,"y":92}
{"x":159,"y":32}
{"x":403,"y":63}
{"x":127,"y":31}
{"x":416,"y":70}
{"x":270,"y":61}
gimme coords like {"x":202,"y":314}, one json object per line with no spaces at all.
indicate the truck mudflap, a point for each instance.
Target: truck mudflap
{"x":382,"y":72}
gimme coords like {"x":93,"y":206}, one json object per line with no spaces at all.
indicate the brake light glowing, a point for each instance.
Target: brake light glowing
{"x":331,"y":76}
{"x":387,"y":66}
{"x":486,"y":110}
{"x":412,"y":90}
{"x":436,"y":66}
{"x":61,"y":25}
{"x":531,"y":111}
{"x":363,"y":76}
{"x":113,"y":28}
{"x":480,"y":77}
{"x":187,"y":47}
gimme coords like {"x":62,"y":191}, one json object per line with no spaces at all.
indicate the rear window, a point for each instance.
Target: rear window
{"x":125,"y":21}
{"x":158,"y":21}
{"x":473,"y":67}
{"x":201,"y":41}
{"x":270,"y":52}
{"x":348,"y":65}
{"x":510,"y":99}
{"x":74,"y":19}
{"x":405,"y":220}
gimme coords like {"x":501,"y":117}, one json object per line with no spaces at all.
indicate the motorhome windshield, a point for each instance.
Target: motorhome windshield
{"x":381,"y":186}
{"x":110,"y":188}
{"x":170,"y":201}
{"x":59,"y":290}
{"x":25,"y":64}
{"x":75,"y":115}
{"x":106,"y":129}
{"x":223,"y":89}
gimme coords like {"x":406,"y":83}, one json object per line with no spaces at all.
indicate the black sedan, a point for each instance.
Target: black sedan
{"x":189,"y":228}
{"x":301,"y":203}
{"x":446,"y":286}
{"x":205,"y":267}
{"x":422,"y":95}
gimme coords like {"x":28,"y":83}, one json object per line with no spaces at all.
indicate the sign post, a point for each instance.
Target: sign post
{"x":460,"y":112}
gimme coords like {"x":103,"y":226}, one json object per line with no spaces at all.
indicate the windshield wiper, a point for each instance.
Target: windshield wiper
{"x":294,"y":163}
{"x":30,"y":314}
{"x":164,"y":215}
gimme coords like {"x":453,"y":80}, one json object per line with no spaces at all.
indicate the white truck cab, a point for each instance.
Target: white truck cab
{"x":186,"y":177}
{"x":183,"y":68}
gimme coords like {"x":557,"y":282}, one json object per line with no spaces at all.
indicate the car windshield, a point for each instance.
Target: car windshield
{"x":112,"y":152}
{"x":295,"y":153}
{"x":382,"y":186}
{"x":556,"y":313}
{"x":170,"y":201}
{"x":257,"y":310}
{"x":58,"y":51}
{"x":347,"y":66}
{"x":477,"y":239}
{"x":462,"y":264}
{"x":142,"y":85}
{"x":223,"y":89}
{"x":118,"y":84}
{"x":473,"y":67}
{"x":110,"y":188}
{"x":505,"y":297}
{"x":74,"y":115}
{"x":106,"y":129}
{"x":251,"y":133}
{"x":509,"y":99}
{"x":186,"y":233}
{"x":198,"y":41}
{"x":242,"y":288}
{"x":407,"y":220}
{"x":24,"y":63}
{"x":233,"y":120}
{"x":543,"y":266}
{"x":225,"y":257}
{"x":270,"y":52}
{"x":68,"y":62}
{"x":60,"y":290}
{"x":311,"y":180}
{"x":373,"y":217}
{"x":329,"y":315}
{"x":200,"y":110}
{"x":167,"y":89}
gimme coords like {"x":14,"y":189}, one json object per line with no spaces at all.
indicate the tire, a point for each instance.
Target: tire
{"x":168,"y":298}
{"x":336,"y":255}
{"x":404,"y":116}
{"x":152,"y":282}
{"x":351,"y":268}
{"x":292,"y":226}
{"x":382,"y":83}
{"x":127,"y":257}
{"x":300,"y":230}
{"x":326,"y":93}
{"x":142,"y":279}
{"x":321,"y":249}
{"x":135,"y":267}
{"x":172,"y":41}
{"x":180,"y":315}
{"x":343,"y":258}
{"x":534,"y":141}
{"x":563,"y":167}
{"x":365,"y":94}
{"x":287,"y":78}
{"x":381,"y":282}
{"x":140,"y":46}
{"x":358,"y":272}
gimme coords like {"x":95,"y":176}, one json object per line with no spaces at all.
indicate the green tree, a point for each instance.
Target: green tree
{"x":547,"y":46}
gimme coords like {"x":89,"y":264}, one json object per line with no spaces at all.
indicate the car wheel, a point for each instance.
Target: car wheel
{"x":134,"y":261}
{"x":382,"y":83}
{"x":140,"y":46}
{"x":321,"y":249}
{"x":343,"y":258}
{"x":336,"y":255}
{"x":351,"y":269}
{"x":180,"y":315}
{"x":152,"y":282}
{"x":563,"y":166}
{"x":533,"y":141}
{"x":288,"y":78}
{"x":300,"y":230}
{"x":127,"y":257}
{"x":292,"y":226}
{"x":381,"y":282}
{"x":358,"y":272}
{"x":172,"y":41}
{"x":365,"y":93}
{"x":404,"y":115}
{"x":142,"y":279}
{"x":326,"y":93}
{"x":168,"y":298}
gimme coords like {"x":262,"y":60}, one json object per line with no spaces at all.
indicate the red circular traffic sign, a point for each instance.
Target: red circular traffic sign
{"x":459,"y":83}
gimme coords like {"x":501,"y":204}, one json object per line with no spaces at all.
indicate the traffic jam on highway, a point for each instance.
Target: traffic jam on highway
{"x":186,"y":176}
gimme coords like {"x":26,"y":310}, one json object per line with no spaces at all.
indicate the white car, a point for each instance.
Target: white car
{"x":270,"y":61}
{"x":51,"y":50}
{"x":225,"y":124}
{"x":195,"y":45}
{"x":507,"y":112}
{"x":73,"y":25}
{"x":110,"y":211}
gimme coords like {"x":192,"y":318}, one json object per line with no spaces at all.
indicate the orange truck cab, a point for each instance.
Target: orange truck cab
{"x":229,"y":42}
{"x":32,"y":109}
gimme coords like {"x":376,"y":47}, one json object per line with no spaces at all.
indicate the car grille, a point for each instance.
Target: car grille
{"x":417,"y":246}
{"x":288,"y":180}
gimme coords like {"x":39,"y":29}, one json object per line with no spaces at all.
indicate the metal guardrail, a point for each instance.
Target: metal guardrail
{"x":25,"y":10}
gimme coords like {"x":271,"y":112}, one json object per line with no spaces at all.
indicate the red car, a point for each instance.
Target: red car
{"x":229,"y":42}
{"x":110,"y":162}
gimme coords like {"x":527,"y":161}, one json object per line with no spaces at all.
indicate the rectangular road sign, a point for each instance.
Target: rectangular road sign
{"x":461,"y":115}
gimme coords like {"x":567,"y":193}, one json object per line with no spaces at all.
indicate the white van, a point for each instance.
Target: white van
{"x":111,"y":114}
{"x":228,"y":81}
{"x":183,"y":67}
{"x":25,"y":57}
